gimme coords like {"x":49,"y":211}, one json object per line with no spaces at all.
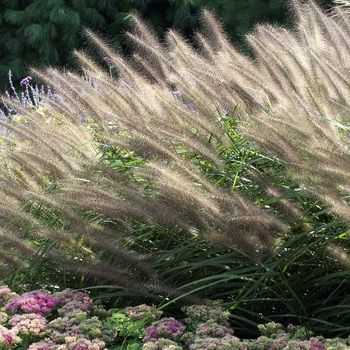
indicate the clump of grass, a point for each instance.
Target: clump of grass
{"x":190,"y":174}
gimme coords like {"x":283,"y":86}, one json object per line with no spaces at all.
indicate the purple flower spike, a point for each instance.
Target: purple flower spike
{"x":25,"y":81}
{"x":107,"y":59}
{"x":177,"y":93}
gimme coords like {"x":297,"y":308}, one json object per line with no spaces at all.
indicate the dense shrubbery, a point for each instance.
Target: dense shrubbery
{"x":180,"y":175}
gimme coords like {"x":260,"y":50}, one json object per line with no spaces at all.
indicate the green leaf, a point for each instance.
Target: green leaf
{"x":55,"y":3}
{"x":15,"y":17}
{"x":34,"y":34}
{"x":58,"y":15}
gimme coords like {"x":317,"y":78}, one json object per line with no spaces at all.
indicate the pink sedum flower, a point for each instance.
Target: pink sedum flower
{"x":167,"y":327}
{"x":4,"y":293}
{"x":33,"y":302}
{"x":73,"y":301}
{"x":8,"y":337}
{"x":28,"y":324}
{"x":4,"y":290}
{"x":43,"y":345}
{"x":74,"y":343}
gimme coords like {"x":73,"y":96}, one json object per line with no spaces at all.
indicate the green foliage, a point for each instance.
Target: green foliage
{"x":130,"y":324}
{"x":130,"y":331}
{"x":120,"y":160}
{"x":38,"y":33}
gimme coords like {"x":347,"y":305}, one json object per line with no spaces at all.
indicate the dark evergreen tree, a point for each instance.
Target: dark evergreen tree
{"x":41,"y":32}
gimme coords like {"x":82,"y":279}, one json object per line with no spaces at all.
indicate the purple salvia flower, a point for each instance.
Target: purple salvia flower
{"x":25,"y":81}
{"x":11,"y":85}
{"x":25,"y":101}
{"x":177,"y":93}
{"x":36,"y":94}
{"x":107,"y":59}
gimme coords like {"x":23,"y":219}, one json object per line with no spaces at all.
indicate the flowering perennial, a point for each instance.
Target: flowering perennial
{"x":25,"y":81}
{"x":36,"y":302}
{"x":63,"y":320}
{"x":71,"y":320}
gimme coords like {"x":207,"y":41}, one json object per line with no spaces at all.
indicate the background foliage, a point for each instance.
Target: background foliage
{"x":39,"y":32}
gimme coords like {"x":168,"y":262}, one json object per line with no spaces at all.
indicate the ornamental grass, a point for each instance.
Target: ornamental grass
{"x":188,"y":171}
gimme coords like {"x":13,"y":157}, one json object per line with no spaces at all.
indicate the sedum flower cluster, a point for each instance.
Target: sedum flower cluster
{"x":206,"y":327}
{"x":71,"y":320}
{"x":63,"y":320}
{"x":32,"y":302}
